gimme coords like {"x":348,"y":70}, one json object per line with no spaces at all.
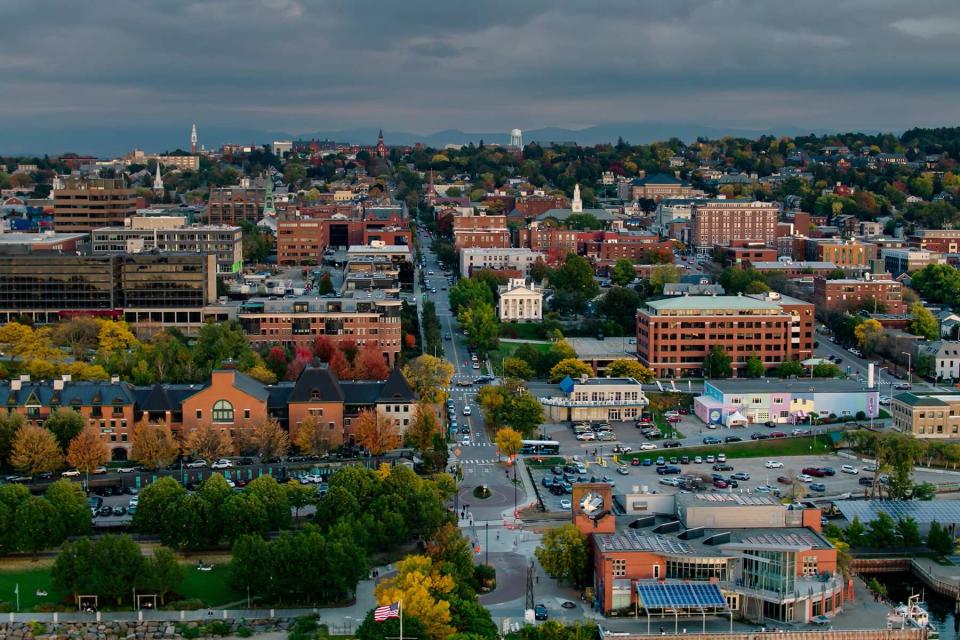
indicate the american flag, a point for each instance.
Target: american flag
{"x":386,"y":612}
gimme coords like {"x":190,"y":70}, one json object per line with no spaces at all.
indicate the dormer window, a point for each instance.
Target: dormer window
{"x":315,"y":395}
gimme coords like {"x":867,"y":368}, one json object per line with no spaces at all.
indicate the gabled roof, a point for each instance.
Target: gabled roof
{"x":157,"y":399}
{"x":250,"y":386}
{"x":396,"y":388}
{"x":319,"y":382}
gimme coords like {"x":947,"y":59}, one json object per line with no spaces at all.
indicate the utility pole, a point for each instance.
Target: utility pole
{"x":530,"y":586}
{"x":909,"y":365}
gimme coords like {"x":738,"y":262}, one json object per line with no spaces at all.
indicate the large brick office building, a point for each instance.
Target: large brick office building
{"x":82,"y":205}
{"x":721,"y":222}
{"x":674,"y":335}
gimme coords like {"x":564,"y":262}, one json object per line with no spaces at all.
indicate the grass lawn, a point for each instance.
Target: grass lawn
{"x":208,"y":586}
{"x":753,"y":449}
{"x":30,"y":581}
{"x":521,"y":330}
{"x":506,"y":349}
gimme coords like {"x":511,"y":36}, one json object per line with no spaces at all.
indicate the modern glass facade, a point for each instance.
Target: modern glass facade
{"x":697,"y":568}
{"x":770,"y":570}
{"x":59,"y":282}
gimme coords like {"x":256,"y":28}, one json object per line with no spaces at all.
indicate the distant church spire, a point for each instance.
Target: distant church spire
{"x":193,"y":138}
{"x":381,"y":147}
{"x":158,"y":180}
{"x":577,"y":205}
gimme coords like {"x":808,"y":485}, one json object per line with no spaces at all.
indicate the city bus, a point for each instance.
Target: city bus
{"x":539,"y":447}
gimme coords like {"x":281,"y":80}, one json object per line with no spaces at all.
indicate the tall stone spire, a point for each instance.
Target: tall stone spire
{"x":158,"y":180}
{"x":193,"y":138}
{"x":576,"y":206}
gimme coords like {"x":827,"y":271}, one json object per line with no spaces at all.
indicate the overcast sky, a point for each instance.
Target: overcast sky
{"x":418,"y":65}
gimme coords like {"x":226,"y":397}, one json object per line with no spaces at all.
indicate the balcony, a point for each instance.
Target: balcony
{"x":556,"y":401}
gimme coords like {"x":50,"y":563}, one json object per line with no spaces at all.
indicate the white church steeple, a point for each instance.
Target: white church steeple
{"x":158,"y":180}
{"x":576,"y":206}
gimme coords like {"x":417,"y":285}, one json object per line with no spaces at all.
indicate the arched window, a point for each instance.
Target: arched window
{"x":222,"y":411}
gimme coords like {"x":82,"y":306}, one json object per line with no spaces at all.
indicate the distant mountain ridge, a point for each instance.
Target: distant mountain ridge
{"x":111,"y":142}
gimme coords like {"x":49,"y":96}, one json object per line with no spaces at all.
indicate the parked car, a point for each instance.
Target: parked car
{"x":803,"y":477}
{"x":697,"y":460}
{"x":72,"y":473}
{"x":709,"y":460}
{"x":773,"y":464}
{"x":722,"y":467}
{"x":673,"y":419}
{"x":647,"y":446}
{"x":733,"y":439}
{"x":622,"y":470}
{"x":196,"y":464}
{"x":777,"y":434}
{"x":818,"y":486}
{"x":721,"y":457}
{"x":813,"y":471}
{"x":711,"y":440}
{"x":865,"y":481}
{"x":222,"y":463}
{"x":635,"y":462}
{"x":565,"y":504}
{"x":668,"y":470}
{"x":719,"y":484}
{"x":785,"y":480}
{"x":828,"y":471}
{"x":849,"y":468}
{"x":540,"y":612}
{"x":759,"y":436}
{"x":670,"y":444}
{"x":99,"y":471}
{"x":588,"y":436}
{"x":740,"y":475}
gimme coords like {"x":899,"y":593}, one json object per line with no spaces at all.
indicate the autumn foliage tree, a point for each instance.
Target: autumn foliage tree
{"x":429,"y":376}
{"x":311,"y":438}
{"x":420,"y":433}
{"x":370,"y":363}
{"x":270,"y":439}
{"x":208,"y":442}
{"x":423,"y":588}
{"x":375,"y":432}
{"x":87,"y":451}
{"x":35,"y":450}
{"x":153,"y":445}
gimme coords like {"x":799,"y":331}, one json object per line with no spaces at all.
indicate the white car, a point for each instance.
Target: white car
{"x":885,"y":400}
{"x":311,"y":478}
{"x":222,"y":463}
{"x":804,"y":478}
{"x":196,"y":464}
{"x":871,"y":467}
{"x":849,"y":469}
{"x":466,"y":411}
{"x":647,"y":446}
{"x":773,"y":464}
{"x":586,"y":436}
{"x":565,"y":504}
{"x":125,"y":469}
{"x":670,"y":482}
{"x":671,"y":414}
{"x":134,"y":501}
{"x":72,"y":473}
{"x":721,"y":457}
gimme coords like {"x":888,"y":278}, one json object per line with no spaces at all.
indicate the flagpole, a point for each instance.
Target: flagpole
{"x":401,"y":618}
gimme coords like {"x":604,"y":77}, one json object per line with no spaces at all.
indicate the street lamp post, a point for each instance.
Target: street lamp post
{"x":909,"y":365}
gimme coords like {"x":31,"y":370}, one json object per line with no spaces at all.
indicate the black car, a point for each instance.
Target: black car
{"x":540,"y":612}
{"x":733,"y":439}
{"x":667,"y":470}
{"x":828,"y":471}
{"x":684,"y":459}
{"x":557,"y":490}
{"x":244,"y":462}
{"x":557,"y":470}
{"x":721,"y":466}
{"x":759,"y":436}
{"x":866,"y":481}
{"x":106,"y":510}
{"x":669,"y":444}
{"x":711,"y":440}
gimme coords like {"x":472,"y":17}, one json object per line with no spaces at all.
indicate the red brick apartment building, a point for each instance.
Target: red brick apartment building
{"x":937,"y":240}
{"x":302,"y":239}
{"x":743,"y":253}
{"x":299,"y":321}
{"x":843,"y":253}
{"x":480,"y":230}
{"x":849,"y":293}
{"x":532,"y":206}
{"x":674,"y":335}
{"x":233,"y":205}
{"x":721,"y":222}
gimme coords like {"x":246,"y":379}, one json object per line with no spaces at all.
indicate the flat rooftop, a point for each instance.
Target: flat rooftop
{"x":16,"y":237}
{"x":711,"y":303}
{"x":712,"y":542}
{"x":915,"y":399}
{"x":813,"y":264}
{"x":609,"y":347}
{"x":797,"y":385}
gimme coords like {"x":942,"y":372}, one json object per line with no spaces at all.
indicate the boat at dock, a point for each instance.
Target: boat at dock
{"x":913,"y":614}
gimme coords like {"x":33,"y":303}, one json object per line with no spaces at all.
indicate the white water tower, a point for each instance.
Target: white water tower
{"x":516,"y":138}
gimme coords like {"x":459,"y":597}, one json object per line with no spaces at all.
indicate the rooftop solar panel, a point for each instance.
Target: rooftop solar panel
{"x":923,"y":512}
{"x":685,"y":595}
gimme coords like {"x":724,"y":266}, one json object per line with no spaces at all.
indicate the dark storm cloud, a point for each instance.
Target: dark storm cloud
{"x":301,"y":65}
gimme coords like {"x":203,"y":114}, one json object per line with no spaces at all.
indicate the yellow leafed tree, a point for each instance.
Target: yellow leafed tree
{"x":422,"y":589}
{"x":208,"y":442}
{"x":35,"y":450}
{"x":375,"y":432}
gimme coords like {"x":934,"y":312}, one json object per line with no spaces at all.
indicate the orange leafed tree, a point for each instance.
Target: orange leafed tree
{"x":35,"y":450}
{"x":376,"y":433}
{"x":270,"y":439}
{"x":208,"y":442}
{"x":87,"y":451}
{"x":370,"y":364}
{"x":311,"y":437}
{"x":153,"y":445}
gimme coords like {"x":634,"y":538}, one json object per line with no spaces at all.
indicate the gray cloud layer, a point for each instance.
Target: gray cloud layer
{"x":302,"y":65}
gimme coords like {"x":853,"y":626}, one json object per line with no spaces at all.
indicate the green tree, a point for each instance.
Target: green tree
{"x":156,"y":506}
{"x":65,"y":423}
{"x":718,"y":363}
{"x":570,"y":367}
{"x":468,"y":292}
{"x":790,"y":368}
{"x":10,"y":424}
{"x":273,"y":496}
{"x":754,"y":368}
{"x":664,"y":274}
{"x":855,"y":534}
{"x":825,"y":370}
{"x":939,"y":540}
{"x":299,"y":496}
{"x":620,"y":305}
{"x":523,"y":412}
{"x":162,"y":574}
{"x":881,"y":532}
{"x":539,"y":270}
{"x":38,"y":525}
{"x":627,"y":368}
{"x":517,"y":368}
{"x":70,"y":503}
{"x":908,"y":532}
{"x":480,"y":321}
{"x":922,"y":322}
{"x":563,"y":554}
{"x":623,"y":272}
{"x":937,"y":283}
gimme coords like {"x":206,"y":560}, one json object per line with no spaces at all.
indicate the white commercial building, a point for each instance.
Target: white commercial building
{"x":520,"y":302}
{"x":506,"y":258}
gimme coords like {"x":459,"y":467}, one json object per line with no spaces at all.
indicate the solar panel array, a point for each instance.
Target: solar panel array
{"x":629,"y":540}
{"x":924,"y":512}
{"x":686,"y":595}
{"x":790,"y":539}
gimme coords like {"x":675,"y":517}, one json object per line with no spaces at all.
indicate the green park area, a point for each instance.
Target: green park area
{"x":199,"y":588}
{"x":506,"y":349}
{"x":771,"y":448}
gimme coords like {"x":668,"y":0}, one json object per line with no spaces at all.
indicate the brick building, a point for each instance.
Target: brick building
{"x":233,"y":205}
{"x":520,"y":259}
{"x":533,"y":205}
{"x":938,"y":240}
{"x":721,"y":222}
{"x":363,"y":319}
{"x":674,"y":335}
{"x":656,"y":187}
{"x":744,"y":253}
{"x":850,"y":293}
{"x":301,"y":240}
{"x":843,"y":253}
{"x":82,"y":205}
{"x":480,"y":230}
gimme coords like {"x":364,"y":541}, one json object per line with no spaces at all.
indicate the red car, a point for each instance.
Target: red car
{"x":777,"y":434}
{"x":815,"y":472}
{"x":784,"y":480}
{"x":719,"y":484}
{"x":635,"y":462}
{"x":673,"y":419}
{"x":683,"y":412}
